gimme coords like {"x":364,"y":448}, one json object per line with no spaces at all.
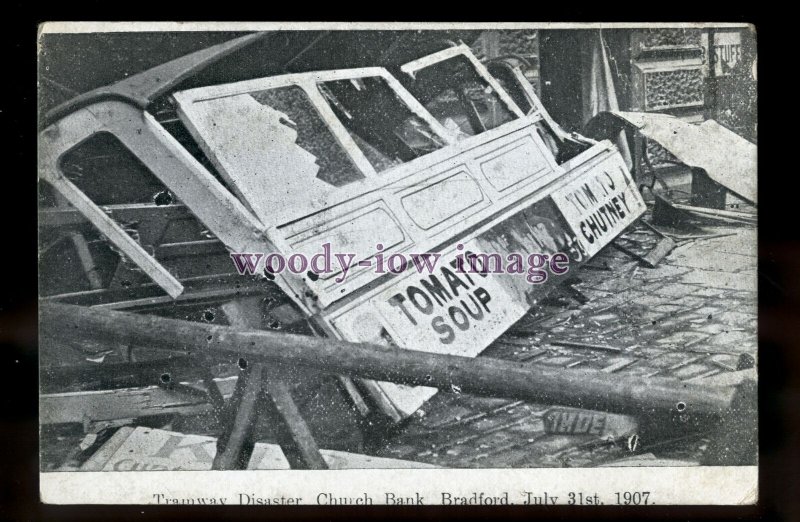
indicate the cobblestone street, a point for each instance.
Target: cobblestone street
{"x":692,"y":318}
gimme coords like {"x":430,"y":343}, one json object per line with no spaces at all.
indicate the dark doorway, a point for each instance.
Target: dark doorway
{"x":560,"y":62}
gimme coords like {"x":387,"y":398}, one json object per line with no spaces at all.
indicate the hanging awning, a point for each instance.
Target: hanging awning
{"x":726,"y":157}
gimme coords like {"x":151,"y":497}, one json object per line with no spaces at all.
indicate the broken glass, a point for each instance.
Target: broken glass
{"x":313,"y":134}
{"x":504,"y":74}
{"x":384,"y":127}
{"x":459,"y":97}
{"x":561,"y":149}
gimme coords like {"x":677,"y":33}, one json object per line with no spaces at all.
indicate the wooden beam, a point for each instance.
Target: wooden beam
{"x":247,"y":313}
{"x":664,"y":246}
{"x":236,"y":446}
{"x":299,"y":434}
{"x":190,"y":248}
{"x":589,"y":389}
{"x":745,"y":217}
{"x":58,"y":217}
{"x":92,"y":376}
{"x":127,"y":403}
{"x":86,"y":259}
{"x":207,"y":288}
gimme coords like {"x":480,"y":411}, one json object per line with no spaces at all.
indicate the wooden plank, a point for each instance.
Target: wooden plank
{"x":354,"y":394}
{"x":127,"y":212}
{"x":190,"y":248}
{"x":299,"y":433}
{"x":659,"y":252}
{"x":731,"y":378}
{"x":322,"y":329}
{"x":619,"y":364}
{"x":628,"y":252}
{"x":745,"y":217}
{"x":103,"y":376}
{"x":87,"y":261}
{"x":381,"y":397}
{"x":149,"y":295}
{"x":128,"y":403}
{"x":589,"y":346}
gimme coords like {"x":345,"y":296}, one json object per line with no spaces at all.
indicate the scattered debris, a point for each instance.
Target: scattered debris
{"x":570,"y":421}
{"x":651,"y":260}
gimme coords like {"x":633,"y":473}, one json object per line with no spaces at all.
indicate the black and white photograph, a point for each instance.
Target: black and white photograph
{"x":397,"y":264}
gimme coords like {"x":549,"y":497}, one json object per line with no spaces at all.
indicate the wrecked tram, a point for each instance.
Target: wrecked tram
{"x":441,"y":154}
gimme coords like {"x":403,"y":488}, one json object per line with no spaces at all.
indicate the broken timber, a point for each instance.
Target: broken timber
{"x":664,"y":246}
{"x":482,"y":376}
{"x":668,"y":213}
{"x":259,"y":380}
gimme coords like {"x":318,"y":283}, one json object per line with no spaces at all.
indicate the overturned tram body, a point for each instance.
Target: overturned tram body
{"x":441,"y":154}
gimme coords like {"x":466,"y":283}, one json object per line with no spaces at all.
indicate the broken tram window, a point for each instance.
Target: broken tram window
{"x":504,"y":74}
{"x":383,"y":126}
{"x":510,"y":78}
{"x":505,"y":77}
{"x":108,"y":173}
{"x":459,"y":97}
{"x":313,"y":134}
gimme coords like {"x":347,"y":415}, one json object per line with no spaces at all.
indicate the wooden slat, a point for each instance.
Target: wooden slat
{"x":87,"y":261}
{"x":190,"y":248}
{"x":659,"y":252}
{"x":619,"y":364}
{"x":103,"y":376}
{"x":128,"y":212}
{"x":148,"y":295}
{"x":129,"y":403}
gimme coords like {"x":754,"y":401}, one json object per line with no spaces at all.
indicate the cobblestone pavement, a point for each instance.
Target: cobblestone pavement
{"x":691,"y":318}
